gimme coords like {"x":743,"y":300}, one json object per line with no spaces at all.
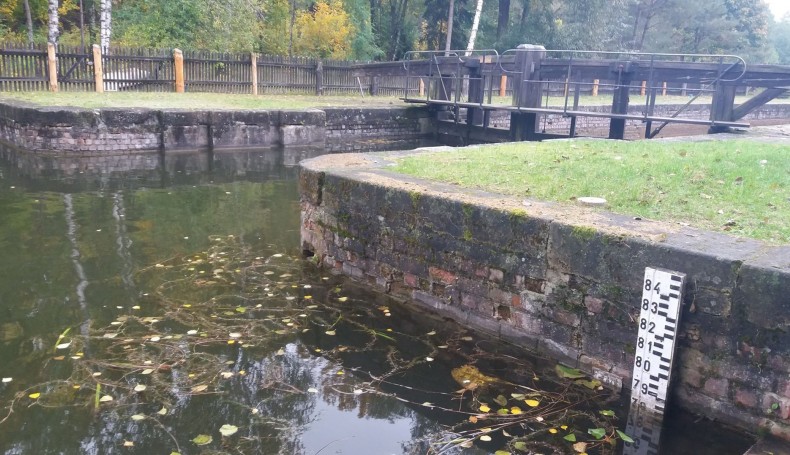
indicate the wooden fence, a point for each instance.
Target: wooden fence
{"x":30,"y":68}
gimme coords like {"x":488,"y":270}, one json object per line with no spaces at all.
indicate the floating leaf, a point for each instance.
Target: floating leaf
{"x":199,"y":388}
{"x":202,"y":439}
{"x":148,"y":371}
{"x":597,"y":433}
{"x":515,"y":410}
{"x":500,"y":400}
{"x":431,"y":333}
{"x":553,"y":430}
{"x":428,"y":404}
{"x":592,"y":384}
{"x":568,"y":373}
{"x":128,"y":443}
{"x":140,"y":387}
{"x":518,"y":396}
{"x":226,"y":374}
{"x":63,"y":345}
{"x":105,"y":399}
{"x":570,"y":438}
{"x":330,"y":332}
{"x":110,"y":335}
{"x":607,"y":412}
{"x":532,"y":403}
{"x":312,"y":390}
{"x":429,"y":359}
{"x":192,"y":332}
{"x":624,"y":436}
{"x":241,"y":309}
{"x":7,"y":380}
{"x":228,"y":430}
{"x":154,"y":339}
{"x":35,"y":395}
{"x":520,"y":445}
{"x":564,"y":427}
{"x":162,"y":412}
{"x":485,"y":438}
{"x":138,"y":417}
{"x":503,"y":412}
{"x":501,"y":452}
{"x":234,"y":335}
{"x":580,"y":447}
{"x":484,"y":408}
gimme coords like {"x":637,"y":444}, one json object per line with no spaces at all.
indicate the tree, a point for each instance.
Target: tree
{"x":475,"y":24}
{"x":53,"y":28}
{"x":105,"y":23}
{"x":325,"y":32}
{"x":780,"y":38}
{"x":28,"y":21}
{"x":450,"y":20}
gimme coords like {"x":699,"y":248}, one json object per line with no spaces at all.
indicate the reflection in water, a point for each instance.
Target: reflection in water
{"x":644,"y":427}
{"x":195,"y":311}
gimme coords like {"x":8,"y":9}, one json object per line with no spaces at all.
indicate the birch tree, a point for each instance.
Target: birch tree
{"x":475,"y":24}
{"x":53,"y":28}
{"x":450,"y":16}
{"x":105,"y":22}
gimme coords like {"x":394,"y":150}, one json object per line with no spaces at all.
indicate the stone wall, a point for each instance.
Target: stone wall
{"x":563,"y":281}
{"x":111,"y":130}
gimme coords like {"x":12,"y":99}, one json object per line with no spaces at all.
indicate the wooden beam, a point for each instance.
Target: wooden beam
{"x":757,"y":101}
{"x":178,"y":68}
{"x":254,"y":73}
{"x":52,"y":64}
{"x":98,"y":70}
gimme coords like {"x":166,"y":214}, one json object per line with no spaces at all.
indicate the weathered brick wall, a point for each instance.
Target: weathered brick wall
{"x":543,"y":278}
{"x":112,"y":130}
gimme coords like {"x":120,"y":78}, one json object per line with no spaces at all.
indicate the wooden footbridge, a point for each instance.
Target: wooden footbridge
{"x":460,"y":88}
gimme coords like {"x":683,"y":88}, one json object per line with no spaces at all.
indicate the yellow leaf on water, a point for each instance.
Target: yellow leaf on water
{"x":138,"y":417}
{"x":532,"y":403}
{"x":128,"y":443}
{"x":148,"y":371}
{"x":484,"y":408}
{"x":199,"y":388}
{"x":553,"y":430}
{"x":515,"y":410}
{"x":140,"y":388}
{"x":35,"y":395}
{"x":564,"y":427}
{"x":105,"y":399}
{"x":342,"y":299}
{"x":485,"y":438}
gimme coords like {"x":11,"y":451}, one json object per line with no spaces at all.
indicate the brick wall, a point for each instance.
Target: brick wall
{"x":567,"y":289}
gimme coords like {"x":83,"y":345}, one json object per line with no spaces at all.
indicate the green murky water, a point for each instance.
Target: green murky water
{"x":165,"y":308}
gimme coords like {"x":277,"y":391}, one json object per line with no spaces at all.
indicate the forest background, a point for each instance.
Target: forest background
{"x":386,"y":29}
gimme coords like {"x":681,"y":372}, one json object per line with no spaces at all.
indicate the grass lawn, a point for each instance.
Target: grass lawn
{"x":194,"y":100}
{"x":742,"y":187}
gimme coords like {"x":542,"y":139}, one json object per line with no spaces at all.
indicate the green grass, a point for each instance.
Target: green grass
{"x":193,"y":100}
{"x":741,"y":187}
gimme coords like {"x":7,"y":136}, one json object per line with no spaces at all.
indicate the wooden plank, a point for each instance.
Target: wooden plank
{"x":757,"y":101}
{"x":178,"y":64}
{"x":97,"y":69}
{"x":52,"y":63}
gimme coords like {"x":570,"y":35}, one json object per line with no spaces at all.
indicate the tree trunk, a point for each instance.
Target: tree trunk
{"x":53,"y":23}
{"x":503,"y":18}
{"x":105,"y":21}
{"x":29,"y":20}
{"x":92,"y":26}
{"x":475,"y":23}
{"x":400,"y":19}
{"x":524,"y":15}
{"x":291,"y":29}
{"x":450,"y":15}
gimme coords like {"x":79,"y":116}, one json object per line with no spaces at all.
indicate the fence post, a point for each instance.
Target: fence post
{"x":178,"y":65}
{"x":254,"y":72}
{"x":644,"y":88}
{"x":422,"y":88}
{"x":52,"y":63}
{"x":374,"y":85}
{"x":664,"y":89}
{"x":527,"y":91}
{"x":503,"y":85}
{"x":595,"y":87}
{"x":319,"y":78}
{"x":98,"y":71}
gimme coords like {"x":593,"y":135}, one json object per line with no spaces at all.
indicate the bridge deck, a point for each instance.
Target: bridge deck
{"x":576,"y":113}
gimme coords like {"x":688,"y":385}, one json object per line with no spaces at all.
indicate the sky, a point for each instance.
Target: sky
{"x":779,"y":7}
